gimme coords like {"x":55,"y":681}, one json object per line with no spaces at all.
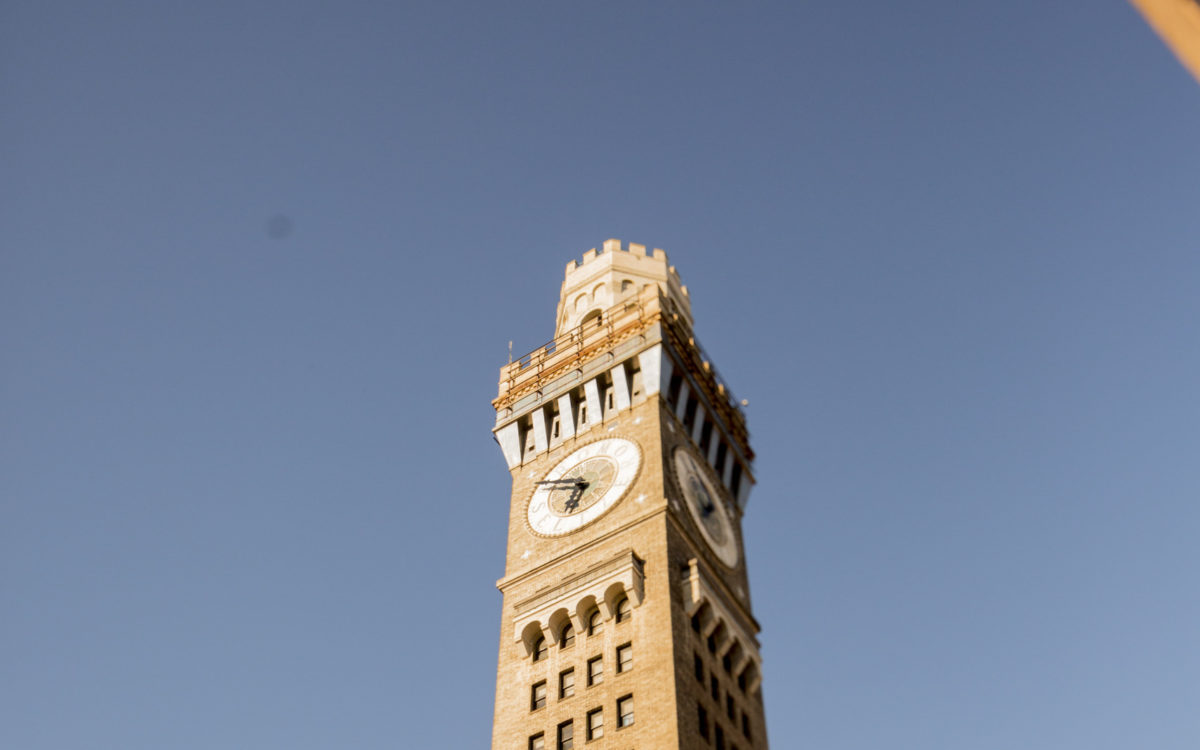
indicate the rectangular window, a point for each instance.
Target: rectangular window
{"x":727,"y":662}
{"x":742,"y":679}
{"x":720,"y":738}
{"x":689,"y":414}
{"x":596,"y":670}
{"x":715,"y":688}
{"x":705,"y":435}
{"x":698,"y":665}
{"x":537,"y":742}
{"x":722,"y":451}
{"x":729,"y":708}
{"x":624,"y":658}
{"x":595,"y":724}
{"x":702,"y":717}
{"x":673,"y":388}
{"x":625,"y":711}
{"x":566,"y":684}
{"x":537,"y":698}
{"x":746,"y":725}
{"x":566,"y":735}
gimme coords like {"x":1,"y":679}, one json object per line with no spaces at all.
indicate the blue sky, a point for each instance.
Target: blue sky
{"x":949,"y":251}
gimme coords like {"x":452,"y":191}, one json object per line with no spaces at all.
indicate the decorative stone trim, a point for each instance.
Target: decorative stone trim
{"x":599,"y":587}
{"x":701,"y":594}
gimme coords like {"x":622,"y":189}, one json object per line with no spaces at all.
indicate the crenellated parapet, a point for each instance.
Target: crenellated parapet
{"x":611,"y":275}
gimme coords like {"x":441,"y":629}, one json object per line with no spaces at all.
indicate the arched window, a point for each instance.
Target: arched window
{"x":595,"y":623}
{"x":540,"y":649}
{"x":566,"y":638}
{"x":591,"y":320}
{"x":626,"y":285}
{"x":624,"y":609}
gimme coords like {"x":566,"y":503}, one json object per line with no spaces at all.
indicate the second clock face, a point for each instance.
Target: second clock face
{"x":706,"y":507}
{"x":585,"y":484}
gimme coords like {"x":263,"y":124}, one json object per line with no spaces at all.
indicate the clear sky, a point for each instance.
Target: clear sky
{"x":260,"y":263}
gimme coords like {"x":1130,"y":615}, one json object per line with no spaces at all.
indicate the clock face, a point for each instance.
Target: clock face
{"x":708,"y":511}
{"x":585,"y":484}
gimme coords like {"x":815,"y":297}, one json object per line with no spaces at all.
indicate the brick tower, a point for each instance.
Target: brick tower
{"x":626,"y":620}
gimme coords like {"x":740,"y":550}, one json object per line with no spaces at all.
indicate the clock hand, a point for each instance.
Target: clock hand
{"x":564,"y":483}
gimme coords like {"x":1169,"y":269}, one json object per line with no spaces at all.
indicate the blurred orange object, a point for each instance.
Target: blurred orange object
{"x":1178,"y":23}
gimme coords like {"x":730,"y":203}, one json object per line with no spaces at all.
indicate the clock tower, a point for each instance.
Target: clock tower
{"x":626,"y":619}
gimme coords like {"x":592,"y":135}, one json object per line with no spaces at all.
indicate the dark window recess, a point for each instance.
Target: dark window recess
{"x":705,"y":436}
{"x":702,"y":718}
{"x":698,"y":664}
{"x":673,"y":390}
{"x":689,"y":414}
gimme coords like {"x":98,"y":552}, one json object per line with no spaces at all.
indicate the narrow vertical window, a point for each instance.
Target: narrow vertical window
{"x":745,"y":725}
{"x":540,"y":649}
{"x":729,"y":707}
{"x":624,"y":609}
{"x":595,"y":670}
{"x":537,"y":742}
{"x":595,"y":724}
{"x":537,"y":697}
{"x":624,"y":658}
{"x":715,"y":689}
{"x":625,"y":711}
{"x":698,"y":665}
{"x":566,"y":684}
{"x":595,"y":623}
{"x":720,"y":738}
{"x":702,"y":718}
{"x":566,"y":638}
{"x":566,"y":735}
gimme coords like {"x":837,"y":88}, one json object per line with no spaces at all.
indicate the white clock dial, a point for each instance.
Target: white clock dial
{"x":704,"y":502}
{"x":583,"y":486}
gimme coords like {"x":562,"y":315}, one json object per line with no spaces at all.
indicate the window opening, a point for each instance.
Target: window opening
{"x":625,"y":711}
{"x":595,"y":724}
{"x":537,"y":697}
{"x":595,"y":670}
{"x":624,"y":658}
{"x":566,"y":684}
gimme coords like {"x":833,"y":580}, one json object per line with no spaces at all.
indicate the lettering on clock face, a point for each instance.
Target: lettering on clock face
{"x":581,"y":487}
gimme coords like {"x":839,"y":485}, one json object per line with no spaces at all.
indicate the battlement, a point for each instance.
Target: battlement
{"x":607,"y":276}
